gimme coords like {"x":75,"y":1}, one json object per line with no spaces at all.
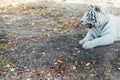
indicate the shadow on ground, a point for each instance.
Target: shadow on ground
{"x":63,"y":58}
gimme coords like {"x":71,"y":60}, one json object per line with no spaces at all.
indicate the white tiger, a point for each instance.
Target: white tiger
{"x":104,"y":29}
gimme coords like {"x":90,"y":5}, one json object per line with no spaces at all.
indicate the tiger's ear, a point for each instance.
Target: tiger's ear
{"x":91,"y":6}
{"x":97,"y":9}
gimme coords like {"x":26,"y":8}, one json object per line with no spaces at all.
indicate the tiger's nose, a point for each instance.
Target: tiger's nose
{"x":81,"y":21}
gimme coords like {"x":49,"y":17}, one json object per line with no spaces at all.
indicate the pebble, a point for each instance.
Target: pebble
{"x":87,"y":64}
{"x":74,"y":67}
{"x":58,"y":48}
{"x":78,"y":51}
{"x":33,"y":51}
{"x":12,"y":49}
{"x":43,"y":53}
{"x":118,"y":68}
{"x":12,"y":69}
{"x":28,"y":78}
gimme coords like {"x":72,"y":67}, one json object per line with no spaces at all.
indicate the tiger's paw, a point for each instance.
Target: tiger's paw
{"x":88,"y":45}
{"x":81,"y":42}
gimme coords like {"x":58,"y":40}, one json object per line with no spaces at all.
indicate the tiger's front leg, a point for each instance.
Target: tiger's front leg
{"x":87,"y":38}
{"x":104,"y":40}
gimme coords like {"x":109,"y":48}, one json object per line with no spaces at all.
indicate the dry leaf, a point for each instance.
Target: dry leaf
{"x":14,"y":78}
{"x":83,"y":76}
{"x":41,"y":73}
{"x":118,"y":59}
{"x":93,"y":62}
{"x":55,"y":29}
{"x":92,"y":70}
{"x":62,"y":32}
{"x":47,"y":29}
{"x":106,"y":78}
{"x":2,"y":46}
{"x":7,"y":66}
{"x":76,"y":63}
{"x":60,"y":61}
{"x":88,"y":68}
{"x":49,"y":20}
{"x":79,"y":62}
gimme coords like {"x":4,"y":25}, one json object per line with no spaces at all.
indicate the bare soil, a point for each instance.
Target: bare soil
{"x":41,"y":43}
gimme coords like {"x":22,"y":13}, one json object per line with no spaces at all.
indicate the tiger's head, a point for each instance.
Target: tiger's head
{"x":94,"y":17}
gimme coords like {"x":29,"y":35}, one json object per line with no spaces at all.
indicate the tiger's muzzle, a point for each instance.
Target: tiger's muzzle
{"x":89,"y":25}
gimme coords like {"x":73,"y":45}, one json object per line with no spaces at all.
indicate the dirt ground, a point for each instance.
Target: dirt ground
{"x":40,"y":42}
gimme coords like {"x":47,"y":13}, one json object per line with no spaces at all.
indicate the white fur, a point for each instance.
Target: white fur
{"x":108,"y":33}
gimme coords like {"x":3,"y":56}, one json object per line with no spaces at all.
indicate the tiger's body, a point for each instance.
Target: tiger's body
{"x":104,"y":29}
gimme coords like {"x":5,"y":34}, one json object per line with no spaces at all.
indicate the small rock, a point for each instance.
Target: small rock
{"x":118,"y":68}
{"x":33,"y":24}
{"x":73,"y":67}
{"x":87,"y":64}
{"x":28,"y":78}
{"x":12,"y":69}
{"x":12,"y":49}
{"x":58,"y":48}
{"x":78,"y":51}
{"x":92,"y":75}
{"x":43,"y":53}
{"x":33,"y":51}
